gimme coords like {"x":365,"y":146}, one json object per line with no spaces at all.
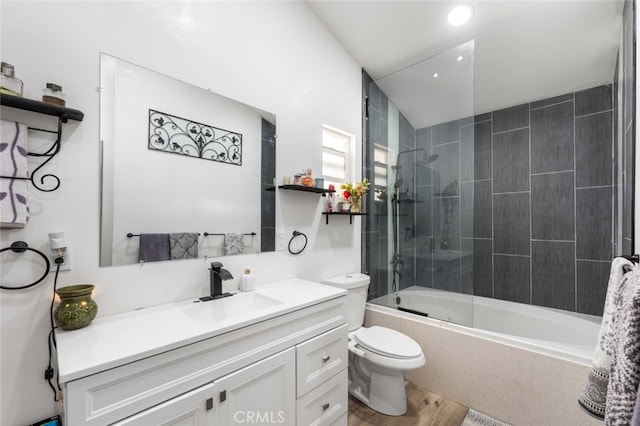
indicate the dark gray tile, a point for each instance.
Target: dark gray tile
{"x":467,"y":153}
{"x":407,"y":134}
{"x":593,"y":150}
{"x":446,"y":132}
{"x":378,"y":100}
{"x":268,"y":153}
{"x":592,"y":283}
{"x":511,"y":161}
{"x":267,"y":207}
{"x":476,"y":199}
{"x":267,"y":239}
{"x":553,"y":274}
{"x":592,"y":100}
{"x":482,"y":267}
{"x":466,"y":266}
{"x":424,"y":211}
{"x":423,"y":139}
{"x":466,"y":209}
{"x":553,"y":206}
{"x":593,"y":223}
{"x":482,"y":117}
{"x":446,"y":273}
{"x":482,"y":211}
{"x":408,"y":269}
{"x":511,"y":275}
{"x":511,"y":223}
{"x":551,"y":101}
{"x":482,"y":150}
{"x":511,"y":118}
{"x":446,"y":222}
{"x":552,"y":138}
{"x":446,"y":170}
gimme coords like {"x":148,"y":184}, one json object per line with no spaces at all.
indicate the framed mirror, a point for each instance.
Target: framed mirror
{"x":182,"y":169}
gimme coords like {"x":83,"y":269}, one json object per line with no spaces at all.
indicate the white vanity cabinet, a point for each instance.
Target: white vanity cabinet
{"x":287,"y":368}
{"x":261,"y":393}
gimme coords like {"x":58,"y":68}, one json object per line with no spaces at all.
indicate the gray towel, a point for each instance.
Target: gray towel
{"x":594,"y":394}
{"x":625,"y":359}
{"x":184,"y":245}
{"x":233,"y":243}
{"x":154,"y":247}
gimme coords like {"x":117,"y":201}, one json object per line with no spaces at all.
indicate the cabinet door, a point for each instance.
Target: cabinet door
{"x":262,"y":393}
{"x":190,"y":409}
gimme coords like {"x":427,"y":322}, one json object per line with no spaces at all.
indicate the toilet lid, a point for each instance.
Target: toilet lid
{"x":387,"y":342}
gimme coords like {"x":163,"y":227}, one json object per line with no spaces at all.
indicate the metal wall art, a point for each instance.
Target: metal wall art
{"x":181,"y":136}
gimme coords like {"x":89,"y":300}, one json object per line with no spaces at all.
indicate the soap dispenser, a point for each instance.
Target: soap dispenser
{"x":247,"y":281}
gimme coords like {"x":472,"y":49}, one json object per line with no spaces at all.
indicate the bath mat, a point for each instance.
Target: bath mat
{"x":476,"y":418}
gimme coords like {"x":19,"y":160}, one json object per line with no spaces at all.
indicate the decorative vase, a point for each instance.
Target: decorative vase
{"x":76,"y":309}
{"x":356,"y":204}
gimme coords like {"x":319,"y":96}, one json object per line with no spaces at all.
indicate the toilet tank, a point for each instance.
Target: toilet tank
{"x":356,"y":285}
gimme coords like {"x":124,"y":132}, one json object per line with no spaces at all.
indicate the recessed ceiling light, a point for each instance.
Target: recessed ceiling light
{"x":459,"y":58}
{"x":435,"y":75}
{"x":460,"y":15}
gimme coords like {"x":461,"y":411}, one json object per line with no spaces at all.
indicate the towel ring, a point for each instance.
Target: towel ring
{"x":21,"y":247}
{"x":296,"y":247}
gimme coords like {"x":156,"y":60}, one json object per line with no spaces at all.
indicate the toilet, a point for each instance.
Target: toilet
{"x":379,"y":357}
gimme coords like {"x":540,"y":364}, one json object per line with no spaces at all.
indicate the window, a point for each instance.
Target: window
{"x":336,"y":156}
{"x":380,"y":169}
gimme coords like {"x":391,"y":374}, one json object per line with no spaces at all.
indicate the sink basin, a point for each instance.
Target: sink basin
{"x":230,"y":307}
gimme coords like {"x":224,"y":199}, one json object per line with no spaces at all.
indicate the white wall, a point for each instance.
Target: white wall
{"x":273,"y":55}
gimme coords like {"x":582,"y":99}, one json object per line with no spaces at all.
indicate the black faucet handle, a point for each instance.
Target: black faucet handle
{"x":216,"y":265}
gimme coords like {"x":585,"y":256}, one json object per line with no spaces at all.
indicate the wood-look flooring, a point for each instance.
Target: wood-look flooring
{"x":424,"y":408}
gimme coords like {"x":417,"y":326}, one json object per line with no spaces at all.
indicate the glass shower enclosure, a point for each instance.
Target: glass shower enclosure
{"x":418,"y":239}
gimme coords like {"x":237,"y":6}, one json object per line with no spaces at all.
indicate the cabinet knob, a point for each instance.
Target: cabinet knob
{"x":326,"y":358}
{"x":209,"y":404}
{"x":325,"y":406}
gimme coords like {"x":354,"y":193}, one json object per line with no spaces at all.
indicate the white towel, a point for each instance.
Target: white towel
{"x":594,"y":395}
{"x":14,"y":210}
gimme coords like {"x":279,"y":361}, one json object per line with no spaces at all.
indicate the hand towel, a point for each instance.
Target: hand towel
{"x":184,"y":245}
{"x":594,"y":394}
{"x":14,"y":211}
{"x":154,"y":247}
{"x":233,"y":243}
{"x":625,"y":358}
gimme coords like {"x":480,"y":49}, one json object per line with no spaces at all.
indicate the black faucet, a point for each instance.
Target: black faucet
{"x":216,"y":275}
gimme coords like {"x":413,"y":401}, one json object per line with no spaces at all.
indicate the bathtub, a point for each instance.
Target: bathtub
{"x":522,"y":364}
{"x":555,"y":332}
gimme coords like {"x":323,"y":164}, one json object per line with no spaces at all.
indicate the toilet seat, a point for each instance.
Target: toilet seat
{"x":387,"y":342}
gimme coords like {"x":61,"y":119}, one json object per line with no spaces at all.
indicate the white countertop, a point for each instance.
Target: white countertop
{"x":114,"y":340}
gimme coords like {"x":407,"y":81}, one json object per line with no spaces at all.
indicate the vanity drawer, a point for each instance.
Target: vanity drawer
{"x":320,"y":358}
{"x":326,"y":404}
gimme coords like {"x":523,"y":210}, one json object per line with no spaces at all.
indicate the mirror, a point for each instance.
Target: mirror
{"x":184,"y":164}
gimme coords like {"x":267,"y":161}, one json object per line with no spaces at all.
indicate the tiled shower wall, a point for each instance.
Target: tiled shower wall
{"x":530,"y":195}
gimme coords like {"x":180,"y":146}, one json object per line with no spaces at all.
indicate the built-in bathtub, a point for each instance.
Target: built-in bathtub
{"x":556,"y":332}
{"x":519,"y":363}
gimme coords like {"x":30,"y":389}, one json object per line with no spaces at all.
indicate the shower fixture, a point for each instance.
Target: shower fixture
{"x":396,"y":260}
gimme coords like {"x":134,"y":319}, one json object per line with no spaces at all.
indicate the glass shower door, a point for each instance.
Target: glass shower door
{"x":419,"y":157}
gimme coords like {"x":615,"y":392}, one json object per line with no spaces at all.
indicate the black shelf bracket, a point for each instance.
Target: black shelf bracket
{"x":64,"y":115}
{"x":350,"y":214}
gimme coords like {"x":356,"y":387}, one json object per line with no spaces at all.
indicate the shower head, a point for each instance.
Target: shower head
{"x":425,"y":161}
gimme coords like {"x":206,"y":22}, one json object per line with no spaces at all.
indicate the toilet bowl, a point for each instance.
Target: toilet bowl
{"x":379,"y":357}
